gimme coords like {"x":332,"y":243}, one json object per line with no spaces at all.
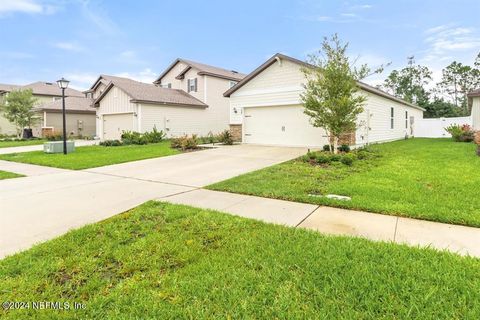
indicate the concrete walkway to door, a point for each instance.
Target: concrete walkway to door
{"x":379,"y":227}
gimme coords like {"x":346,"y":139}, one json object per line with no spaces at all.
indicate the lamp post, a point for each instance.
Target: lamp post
{"x":63,"y":84}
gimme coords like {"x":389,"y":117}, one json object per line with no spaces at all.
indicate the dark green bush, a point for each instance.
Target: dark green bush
{"x":54,"y":137}
{"x":111,"y":143}
{"x":154,"y":136}
{"x":225,"y":137}
{"x":344,"y":148}
{"x":323,"y":158}
{"x":335,"y":157}
{"x":347,"y":159}
{"x":326,"y":148}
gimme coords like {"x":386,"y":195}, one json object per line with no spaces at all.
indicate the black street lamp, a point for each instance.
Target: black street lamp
{"x":63,"y":84}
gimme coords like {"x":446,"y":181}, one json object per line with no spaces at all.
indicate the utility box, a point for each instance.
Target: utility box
{"x":57,"y":147}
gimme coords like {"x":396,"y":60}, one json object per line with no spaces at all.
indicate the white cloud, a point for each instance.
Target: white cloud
{"x":445,"y":41}
{"x":361,"y":6}
{"x":26,"y":6}
{"x":69,"y":46}
{"x":146,"y":75}
{"x":81,"y":80}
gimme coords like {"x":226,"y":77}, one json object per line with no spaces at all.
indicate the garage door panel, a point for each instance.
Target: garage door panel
{"x":281,"y":125}
{"x":115,"y":124}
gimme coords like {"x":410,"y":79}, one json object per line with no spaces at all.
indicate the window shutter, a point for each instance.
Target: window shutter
{"x":195,"y":84}
{"x":188,"y":85}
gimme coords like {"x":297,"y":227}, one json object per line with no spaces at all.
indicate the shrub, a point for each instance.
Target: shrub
{"x":462,"y":133}
{"x":347,"y":159}
{"x":326,"y":148}
{"x":362,"y":154}
{"x":311,"y":155}
{"x":185,"y":142}
{"x":322,"y":158}
{"x":225,"y":137}
{"x":344,"y":148}
{"x":154,"y":136}
{"x":209,"y":138}
{"x":55,"y":136}
{"x":111,"y":143}
{"x":335,"y":157}
{"x":133,"y":137}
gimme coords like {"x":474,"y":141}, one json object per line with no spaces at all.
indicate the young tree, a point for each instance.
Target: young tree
{"x":458,"y":80}
{"x":331,"y":97}
{"x":17,"y":108}
{"x":409,"y":83}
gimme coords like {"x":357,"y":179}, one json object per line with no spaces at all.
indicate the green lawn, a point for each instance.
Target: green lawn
{"x":432,"y":179}
{"x":9,"y":175}
{"x":8,"y":144}
{"x":93,"y":156}
{"x":162,"y":261}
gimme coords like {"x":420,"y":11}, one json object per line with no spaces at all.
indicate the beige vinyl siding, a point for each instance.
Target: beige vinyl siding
{"x":476,"y":113}
{"x":277,"y":85}
{"x":115,"y":101}
{"x":6,"y":127}
{"x":55,"y":120}
{"x":282,"y":84}
{"x":176,"y":121}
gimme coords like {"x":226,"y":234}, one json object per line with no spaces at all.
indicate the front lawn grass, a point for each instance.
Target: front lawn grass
{"x":432,"y":179}
{"x":10,"y":143}
{"x":93,"y":156}
{"x":9,"y":175}
{"x":163,"y":261}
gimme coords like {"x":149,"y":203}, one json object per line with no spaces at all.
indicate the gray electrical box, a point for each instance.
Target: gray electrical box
{"x":57,"y":147}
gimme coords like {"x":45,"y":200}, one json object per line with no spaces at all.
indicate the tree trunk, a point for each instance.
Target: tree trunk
{"x":335,"y":144}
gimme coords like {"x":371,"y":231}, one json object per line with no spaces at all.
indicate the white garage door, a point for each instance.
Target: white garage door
{"x":115,"y":124}
{"x":281,"y":125}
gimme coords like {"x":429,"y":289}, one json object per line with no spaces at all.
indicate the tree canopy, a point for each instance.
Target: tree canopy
{"x":17,"y":108}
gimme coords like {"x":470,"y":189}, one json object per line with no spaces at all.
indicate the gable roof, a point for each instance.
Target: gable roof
{"x":76,"y":104}
{"x":8,"y":87}
{"x":474,"y":93}
{"x":149,"y":93}
{"x":203,"y":69}
{"x":280,"y":56}
{"x":43,"y":89}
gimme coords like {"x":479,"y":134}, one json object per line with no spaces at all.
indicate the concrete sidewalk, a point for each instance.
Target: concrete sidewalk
{"x":28,"y":169}
{"x":379,"y":227}
{"x":39,"y":147}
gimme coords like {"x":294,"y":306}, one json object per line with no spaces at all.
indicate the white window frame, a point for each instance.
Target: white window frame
{"x":392,"y":118}
{"x":191,"y":83}
{"x":406,"y":119}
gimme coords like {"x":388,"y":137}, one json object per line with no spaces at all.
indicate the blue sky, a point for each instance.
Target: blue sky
{"x":48,"y":39}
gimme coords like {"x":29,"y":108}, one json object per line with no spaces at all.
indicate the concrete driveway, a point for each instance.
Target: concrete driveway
{"x":40,"y":207}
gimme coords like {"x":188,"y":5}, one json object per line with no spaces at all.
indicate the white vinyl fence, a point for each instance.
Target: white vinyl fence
{"x":435,"y":128}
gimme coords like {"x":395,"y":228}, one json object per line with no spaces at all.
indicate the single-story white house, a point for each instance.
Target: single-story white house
{"x":265,"y":108}
{"x":474,"y":100}
{"x":187,"y":98}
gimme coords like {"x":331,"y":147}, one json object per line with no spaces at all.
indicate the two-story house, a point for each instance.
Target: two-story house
{"x":187,"y":98}
{"x":80,"y":116}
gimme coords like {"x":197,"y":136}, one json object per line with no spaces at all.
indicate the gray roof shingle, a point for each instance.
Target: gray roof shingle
{"x":43,"y":88}
{"x":149,"y":93}
{"x":205,"y":69}
{"x":80,"y":104}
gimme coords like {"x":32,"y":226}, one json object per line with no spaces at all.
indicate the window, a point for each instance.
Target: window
{"x":57,"y":98}
{"x":232,"y":83}
{"x":192,"y":85}
{"x":392,"y":119}
{"x":168,"y":85}
{"x":406,"y":119}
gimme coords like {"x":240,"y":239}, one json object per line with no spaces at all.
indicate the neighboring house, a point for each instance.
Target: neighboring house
{"x":474,"y":100}
{"x":187,"y":98}
{"x":44,"y":92}
{"x":266,"y":109}
{"x":80,"y":117}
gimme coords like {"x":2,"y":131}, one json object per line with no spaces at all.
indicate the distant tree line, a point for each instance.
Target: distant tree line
{"x":447,"y":98}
